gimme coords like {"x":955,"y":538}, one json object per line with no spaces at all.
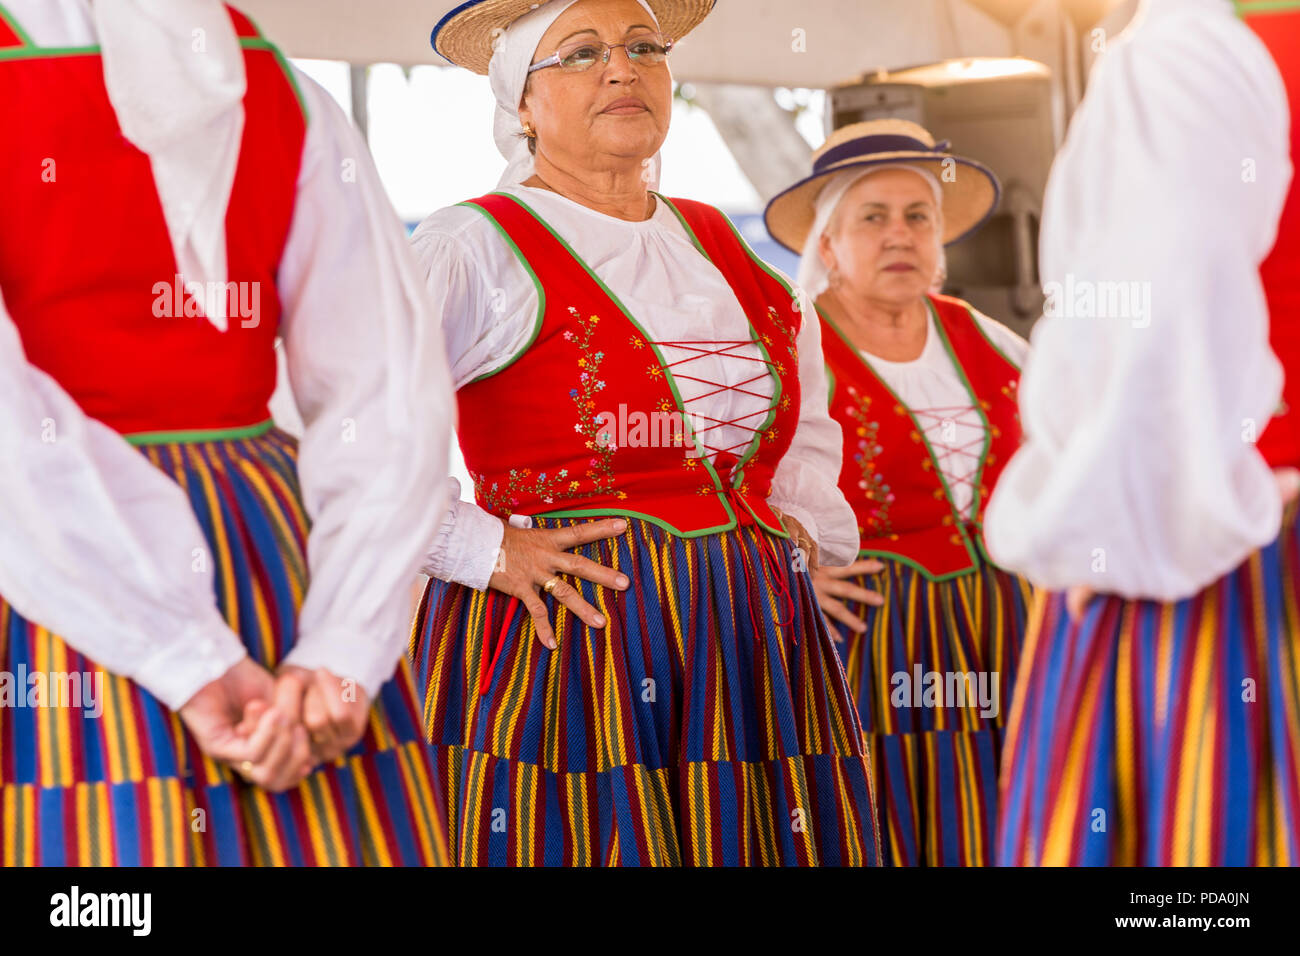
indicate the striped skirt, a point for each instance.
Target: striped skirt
{"x":932,"y":677}
{"x":708,"y":724}
{"x":119,"y":781}
{"x":1155,"y":734}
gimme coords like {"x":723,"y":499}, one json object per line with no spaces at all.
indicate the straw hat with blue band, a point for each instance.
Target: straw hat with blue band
{"x":970,"y":190}
{"x":465,"y":35}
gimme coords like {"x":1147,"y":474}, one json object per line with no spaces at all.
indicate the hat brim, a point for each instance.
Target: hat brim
{"x":465,"y":35}
{"x":968,"y":200}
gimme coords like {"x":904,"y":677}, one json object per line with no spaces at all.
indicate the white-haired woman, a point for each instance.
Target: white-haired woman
{"x":924,"y":388}
{"x":655,"y":687}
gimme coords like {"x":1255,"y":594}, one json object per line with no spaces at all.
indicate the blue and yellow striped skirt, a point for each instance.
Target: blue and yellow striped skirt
{"x":129,"y":786}
{"x":1151,"y":734}
{"x":932,"y":678}
{"x":708,"y":724}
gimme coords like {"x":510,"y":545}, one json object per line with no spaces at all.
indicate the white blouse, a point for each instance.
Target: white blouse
{"x":98,"y":546}
{"x":1152,"y":373}
{"x":489,"y":308}
{"x":932,"y":389}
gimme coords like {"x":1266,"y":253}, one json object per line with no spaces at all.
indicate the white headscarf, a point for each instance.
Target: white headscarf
{"x":814,"y":277}
{"x":175,"y":76}
{"x":508,"y":74}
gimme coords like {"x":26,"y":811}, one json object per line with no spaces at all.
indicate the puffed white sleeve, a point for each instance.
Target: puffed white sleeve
{"x":99,"y":546}
{"x":1008,"y":342}
{"x":488,"y":306}
{"x":369,"y":375}
{"x":806,"y":483}
{"x":1151,"y":373}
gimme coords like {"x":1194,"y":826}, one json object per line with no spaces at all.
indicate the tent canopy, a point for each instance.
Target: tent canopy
{"x":792,"y":43}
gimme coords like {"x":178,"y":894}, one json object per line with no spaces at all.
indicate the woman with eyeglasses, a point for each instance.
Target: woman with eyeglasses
{"x":622,"y":655}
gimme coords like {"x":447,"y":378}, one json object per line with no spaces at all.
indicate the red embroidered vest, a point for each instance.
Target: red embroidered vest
{"x":86,"y":263}
{"x":891,"y":475}
{"x":1280,"y":442}
{"x":542,"y":435}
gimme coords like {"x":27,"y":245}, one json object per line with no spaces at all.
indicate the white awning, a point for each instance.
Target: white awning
{"x":809,"y":43}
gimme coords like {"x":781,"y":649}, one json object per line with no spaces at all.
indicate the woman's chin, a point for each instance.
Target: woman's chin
{"x":901,"y":287}
{"x":623,"y":138}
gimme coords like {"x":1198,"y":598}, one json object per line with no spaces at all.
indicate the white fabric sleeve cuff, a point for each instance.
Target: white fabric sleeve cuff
{"x":469,"y":540}
{"x":338,"y":651}
{"x":203,"y":653}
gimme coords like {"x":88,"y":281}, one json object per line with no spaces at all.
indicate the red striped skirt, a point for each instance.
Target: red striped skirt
{"x":128,"y":786}
{"x":1149,"y":734}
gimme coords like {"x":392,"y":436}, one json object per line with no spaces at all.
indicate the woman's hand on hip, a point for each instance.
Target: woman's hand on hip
{"x":834,"y":588}
{"x":530,"y":558}
{"x":799,"y":537}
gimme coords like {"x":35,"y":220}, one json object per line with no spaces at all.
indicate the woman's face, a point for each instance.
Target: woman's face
{"x":618,"y":111}
{"x":885,"y":237}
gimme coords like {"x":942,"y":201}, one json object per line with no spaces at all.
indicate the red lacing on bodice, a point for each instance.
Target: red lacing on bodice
{"x":728,"y":349}
{"x":724,"y":462}
{"x":927,"y":417}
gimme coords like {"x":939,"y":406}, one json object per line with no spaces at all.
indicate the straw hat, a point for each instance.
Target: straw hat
{"x":465,"y":35}
{"x":970,"y":190}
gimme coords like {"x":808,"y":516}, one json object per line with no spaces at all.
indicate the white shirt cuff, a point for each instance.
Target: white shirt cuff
{"x":467,"y":546}
{"x":338,"y":651}
{"x":203,"y":653}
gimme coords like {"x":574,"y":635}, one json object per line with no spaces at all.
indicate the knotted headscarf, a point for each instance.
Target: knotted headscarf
{"x":508,"y":73}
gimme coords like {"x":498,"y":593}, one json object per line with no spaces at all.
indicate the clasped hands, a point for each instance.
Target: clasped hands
{"x":275,"y":729}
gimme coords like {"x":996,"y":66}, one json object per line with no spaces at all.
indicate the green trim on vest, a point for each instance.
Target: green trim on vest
{"x":17,"y":27}
{"x":260,"y":43}
{"x":192,"y":436}
{"x":778,"y":389}
{"x":974,"y":550}
{"x":45,"y":52}
{"x":599,"y":513}
{"x":979,"y":327}
{"x":1247,"y":7}
{"x":911,"y":563}
{"x":719,"y":489}
{"x":541,"y":293}
{"x":30,"y":51}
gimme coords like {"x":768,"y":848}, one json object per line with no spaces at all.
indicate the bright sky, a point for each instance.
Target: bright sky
{"x":431,"y":136}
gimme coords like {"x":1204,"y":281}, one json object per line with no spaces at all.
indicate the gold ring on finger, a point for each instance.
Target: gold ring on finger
{"x":246,"y":767}
{"x":549,"y":586}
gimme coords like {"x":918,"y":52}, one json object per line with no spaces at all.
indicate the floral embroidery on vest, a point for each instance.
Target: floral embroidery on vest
{"x":788,"y":329}
{"x":1011,"y":392}
{"x":871,"y":482}
{"x":602,"y":444}
{"x":772,"y":433}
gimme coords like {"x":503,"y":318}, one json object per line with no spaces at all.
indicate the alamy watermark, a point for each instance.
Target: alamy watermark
{"x":946,"y":689}
{"x":658,"y":429}
{"x":1085,"y":299}
{"x":80,"y":689}
{"x":227,"y":300}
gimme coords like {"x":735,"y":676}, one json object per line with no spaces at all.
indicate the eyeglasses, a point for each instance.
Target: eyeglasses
{"x":648,"y":49}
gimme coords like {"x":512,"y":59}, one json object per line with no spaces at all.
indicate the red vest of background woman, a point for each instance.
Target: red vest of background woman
{"x":587,"y":420}
{"x":891,"y":476}
{"x":1280,"y":444}
{"x":119,"y":332}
